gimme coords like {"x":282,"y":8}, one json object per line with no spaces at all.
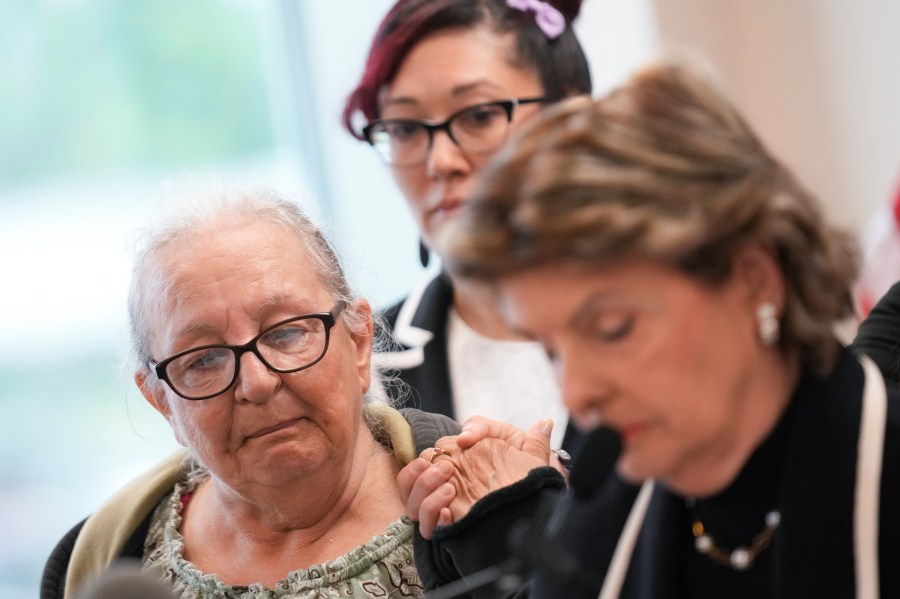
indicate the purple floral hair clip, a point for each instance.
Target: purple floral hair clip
{"x":548,"y":18}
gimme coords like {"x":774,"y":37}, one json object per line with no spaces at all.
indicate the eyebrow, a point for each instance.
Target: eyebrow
{"x":269,"y":302}
{"x":456,"y":92}
{"x":189,"y":331}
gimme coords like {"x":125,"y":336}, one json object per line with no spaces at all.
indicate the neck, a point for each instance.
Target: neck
{"x":765,"y":398}
{"x":476,"y":305}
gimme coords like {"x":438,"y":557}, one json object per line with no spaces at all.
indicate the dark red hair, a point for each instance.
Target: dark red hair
{"x":560,"y":63}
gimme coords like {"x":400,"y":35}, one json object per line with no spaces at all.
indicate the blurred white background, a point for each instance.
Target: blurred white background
{"x":101,"y":101}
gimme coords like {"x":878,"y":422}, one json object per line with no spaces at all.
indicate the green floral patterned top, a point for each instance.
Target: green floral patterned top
{"x":383,"y":567}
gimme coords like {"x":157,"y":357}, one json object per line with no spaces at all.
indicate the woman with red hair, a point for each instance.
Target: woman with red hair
{"x":444,"y":84}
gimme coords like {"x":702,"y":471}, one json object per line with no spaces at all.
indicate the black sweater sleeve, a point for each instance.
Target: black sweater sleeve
{"x":480,"y":540}
{"x":879,"y":335}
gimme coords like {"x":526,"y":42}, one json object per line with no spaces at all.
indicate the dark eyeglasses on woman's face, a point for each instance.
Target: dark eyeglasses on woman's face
{"x":476,"y":129}
{"x":288,"y":346}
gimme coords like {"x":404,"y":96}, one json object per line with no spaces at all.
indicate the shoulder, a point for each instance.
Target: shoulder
{"x":427,"y":427}
{"x":53,"y":579}
{"x":408,"y":431}
{"x":878,"y":333}
{"x":107,"y":531}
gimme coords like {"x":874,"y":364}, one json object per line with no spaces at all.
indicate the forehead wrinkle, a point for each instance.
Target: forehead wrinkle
{"x":278,"y":300}
{"x":176,"y":294}
{"x":270,"y":302}
{"x":194,"y":327}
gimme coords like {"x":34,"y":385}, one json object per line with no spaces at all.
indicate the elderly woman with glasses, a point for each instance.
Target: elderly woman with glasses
{"x":250,"y":344}
{"x":444,"y":85}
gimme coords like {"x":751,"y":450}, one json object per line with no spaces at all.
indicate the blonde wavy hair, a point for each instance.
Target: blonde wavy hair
{"x":663,"y":168}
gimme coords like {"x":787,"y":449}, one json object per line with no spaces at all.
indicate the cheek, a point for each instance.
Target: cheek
{"x":414,"y":185}
{"x":329,"y":386}
{"x":685,"y":367}
{"x":200,"y":428}
{"x":708,"y":379}
{"x":696,"y":412}
{"x":332,"y":404}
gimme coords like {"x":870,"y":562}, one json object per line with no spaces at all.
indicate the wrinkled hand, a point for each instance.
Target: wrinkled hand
{"x":487,"y":456}
{"x":478,"y":427}
{"x":536,"y":440}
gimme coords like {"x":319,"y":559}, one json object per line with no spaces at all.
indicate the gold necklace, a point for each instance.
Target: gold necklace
{"x":740,"y":558}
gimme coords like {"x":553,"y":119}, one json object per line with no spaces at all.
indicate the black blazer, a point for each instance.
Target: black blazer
{"x":418,"y":325}
{"x":813,"y":548}
{"x":879,"y":335}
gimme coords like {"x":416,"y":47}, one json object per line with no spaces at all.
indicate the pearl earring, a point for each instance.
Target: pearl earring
{"x":768,"y":324}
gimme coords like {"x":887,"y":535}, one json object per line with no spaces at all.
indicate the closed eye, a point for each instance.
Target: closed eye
{"x":289,"y":336}
{"x":208,"y":359}
{"x":613,"y":327}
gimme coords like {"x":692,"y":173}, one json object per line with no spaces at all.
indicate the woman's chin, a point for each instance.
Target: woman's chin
{"x":630,"y":472}
{"x":636,"y":469}
{"x":284,"y":462}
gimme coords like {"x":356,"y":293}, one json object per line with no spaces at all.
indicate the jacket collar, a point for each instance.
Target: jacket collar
{"x":425,"y":311}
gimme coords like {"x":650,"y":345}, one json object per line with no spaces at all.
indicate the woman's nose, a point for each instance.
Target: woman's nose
{"x":446,"y":159}
{"x":256,"y":383}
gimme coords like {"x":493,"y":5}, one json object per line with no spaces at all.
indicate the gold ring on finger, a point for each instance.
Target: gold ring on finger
{"x":436,"y":452}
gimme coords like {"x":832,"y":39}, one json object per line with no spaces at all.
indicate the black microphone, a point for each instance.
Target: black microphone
{"x":126,"y":580}
{"x":536,"y":549}
{"x":593,"y":465}
{"x":502,"y":577}
{"x":595,"y":460}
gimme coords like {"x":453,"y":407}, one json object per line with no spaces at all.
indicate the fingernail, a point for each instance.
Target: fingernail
{"x":445,"y":468}
{"x":446,"y":489}
{"x":547,"y":426}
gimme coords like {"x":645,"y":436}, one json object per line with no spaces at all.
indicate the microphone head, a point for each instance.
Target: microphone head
{"x":594,"y":461}
{"x":126,"y":580}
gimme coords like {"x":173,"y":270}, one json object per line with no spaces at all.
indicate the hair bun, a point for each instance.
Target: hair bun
{"x":569,"y":8}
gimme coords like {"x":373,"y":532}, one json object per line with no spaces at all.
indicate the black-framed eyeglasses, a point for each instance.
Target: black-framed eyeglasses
{"x":287,"y":346}
{"x":476,"y":129}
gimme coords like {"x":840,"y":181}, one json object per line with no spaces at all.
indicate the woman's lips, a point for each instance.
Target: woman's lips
{"x":447,"y":207}
{"x":631,"y":432}
{"x":271,"y":429}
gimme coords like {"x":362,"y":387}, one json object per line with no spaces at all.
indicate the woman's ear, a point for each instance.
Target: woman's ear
{"x":362,"y":337}
{"x":156,"y":397}
{"x":152,"y":393}
{"x":757,"y":271}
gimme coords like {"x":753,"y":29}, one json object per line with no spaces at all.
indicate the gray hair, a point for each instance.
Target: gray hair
{"x":205,"y":209}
